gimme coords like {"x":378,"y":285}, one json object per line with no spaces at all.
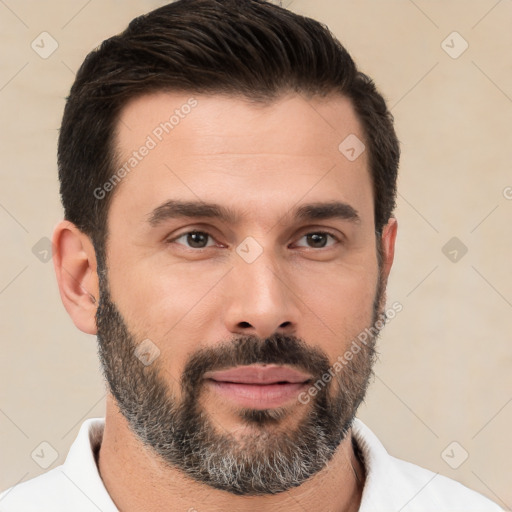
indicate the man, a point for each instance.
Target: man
{"x":228,"y":179}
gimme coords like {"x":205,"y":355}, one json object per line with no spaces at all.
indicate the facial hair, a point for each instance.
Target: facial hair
{"x":181,"y":433}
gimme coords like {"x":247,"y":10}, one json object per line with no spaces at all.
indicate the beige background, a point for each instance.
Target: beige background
{"x":445,"y":368}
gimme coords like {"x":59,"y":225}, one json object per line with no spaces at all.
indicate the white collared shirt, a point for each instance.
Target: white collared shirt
{"x":392,"y":485}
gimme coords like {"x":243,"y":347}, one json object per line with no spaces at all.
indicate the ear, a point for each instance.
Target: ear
{"x":74,"y":260}
{"x":388,"y":246}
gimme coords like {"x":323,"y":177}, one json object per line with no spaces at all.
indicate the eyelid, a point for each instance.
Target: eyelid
{"x":193,"y":230}
{"x":309,"y":231}
{"x":322,"y":231}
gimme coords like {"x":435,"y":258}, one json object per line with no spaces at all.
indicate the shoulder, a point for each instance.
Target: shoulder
{"x":426,"y":487}
{"x":394,"y":484}
{"x":75,"y":485}
{"x":49,"y":491}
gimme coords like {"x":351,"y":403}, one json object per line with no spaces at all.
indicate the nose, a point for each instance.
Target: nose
{"x":260,"y":298}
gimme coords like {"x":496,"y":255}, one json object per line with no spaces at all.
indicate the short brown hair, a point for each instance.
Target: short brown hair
{"x":249,"y":48}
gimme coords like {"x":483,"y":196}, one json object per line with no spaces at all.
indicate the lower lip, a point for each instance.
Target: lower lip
{"x":258,"y":396}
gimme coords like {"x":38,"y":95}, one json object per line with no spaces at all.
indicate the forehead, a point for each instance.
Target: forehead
{"x":226,"y":120}
{"x":225,"y":149}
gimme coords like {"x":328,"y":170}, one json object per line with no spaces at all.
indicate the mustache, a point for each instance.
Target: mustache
{"x":279,"y":349}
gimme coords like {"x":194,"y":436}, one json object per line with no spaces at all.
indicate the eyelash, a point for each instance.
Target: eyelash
{"x":173,"y":240}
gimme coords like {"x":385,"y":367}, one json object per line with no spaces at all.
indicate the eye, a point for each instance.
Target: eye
{"x":319,"y":239}
{"x":195,"y":239}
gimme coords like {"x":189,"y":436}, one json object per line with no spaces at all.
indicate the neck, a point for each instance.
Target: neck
{"x":138,"y":481}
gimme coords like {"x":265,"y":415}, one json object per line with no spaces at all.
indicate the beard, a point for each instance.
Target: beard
{"x":269,"y":459}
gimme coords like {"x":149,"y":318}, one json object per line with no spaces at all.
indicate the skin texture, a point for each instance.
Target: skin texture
{"x":261,"y":162}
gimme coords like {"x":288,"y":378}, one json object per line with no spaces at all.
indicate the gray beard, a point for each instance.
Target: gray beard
{"x":268,"y":461}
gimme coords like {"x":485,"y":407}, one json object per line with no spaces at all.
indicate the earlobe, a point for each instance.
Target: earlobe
{"x":388,"y":246}
{"x":75,"y":265}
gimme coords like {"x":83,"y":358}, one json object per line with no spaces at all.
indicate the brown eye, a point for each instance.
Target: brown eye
{"x":194,"y":239}
{"x":318,"y":239}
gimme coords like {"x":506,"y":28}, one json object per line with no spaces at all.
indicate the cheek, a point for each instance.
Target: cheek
{"x":339,"y":306}
{"x":167,"y":303}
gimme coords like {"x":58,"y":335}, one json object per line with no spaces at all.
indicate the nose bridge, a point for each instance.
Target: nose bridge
{"x":262,"y":276}
{"x":259,"y":297}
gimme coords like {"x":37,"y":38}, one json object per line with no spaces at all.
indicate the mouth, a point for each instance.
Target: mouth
{"x":258,"y":386}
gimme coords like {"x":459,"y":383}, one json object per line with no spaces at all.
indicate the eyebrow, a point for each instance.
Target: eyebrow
{"x":175,"y":209}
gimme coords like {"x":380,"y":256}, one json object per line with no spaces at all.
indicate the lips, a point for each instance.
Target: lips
{"x":258,"y":386}
{"x":259,"y":374}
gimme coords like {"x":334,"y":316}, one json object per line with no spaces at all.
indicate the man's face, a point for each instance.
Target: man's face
{"x":283,"y":293}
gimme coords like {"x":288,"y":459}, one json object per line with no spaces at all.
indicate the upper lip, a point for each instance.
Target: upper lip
{"x":258,"y":374}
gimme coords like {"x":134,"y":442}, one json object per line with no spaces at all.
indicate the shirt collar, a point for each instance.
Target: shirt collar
{"x":81,"y":469}
{"x":380,"y":482}
{"x":80,"y":466}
